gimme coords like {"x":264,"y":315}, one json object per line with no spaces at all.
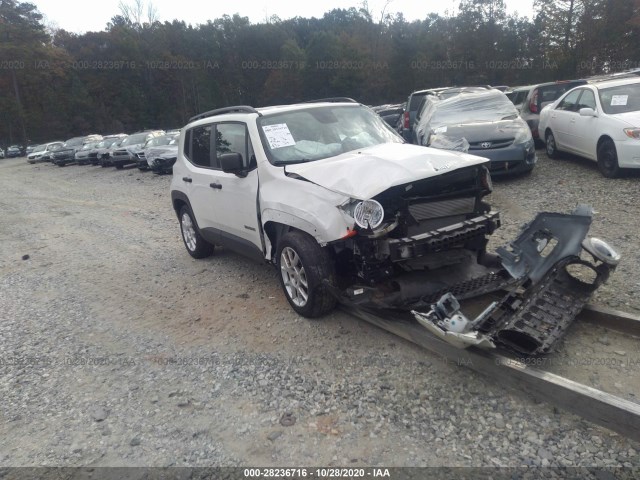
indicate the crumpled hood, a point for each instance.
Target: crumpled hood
{"x":366,"y":172}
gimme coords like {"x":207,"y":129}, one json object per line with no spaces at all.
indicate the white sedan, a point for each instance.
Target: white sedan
{"x":599,"y":121}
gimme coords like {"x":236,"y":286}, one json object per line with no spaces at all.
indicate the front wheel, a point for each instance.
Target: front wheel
{"x":550,"y":146}
{"x":197,"y":246}
{"x":608,"y":159}
{"x":304,"y":267}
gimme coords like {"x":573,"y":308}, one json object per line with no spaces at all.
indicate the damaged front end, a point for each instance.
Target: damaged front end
{"x":547,"y":283}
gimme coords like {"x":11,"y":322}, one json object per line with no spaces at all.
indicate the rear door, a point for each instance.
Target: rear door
{"x":198,"y":148}
{"x":583,"y":131}
{"x":561,"y":118}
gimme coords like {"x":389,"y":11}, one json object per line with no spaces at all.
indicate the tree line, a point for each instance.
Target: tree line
{"x":138,"y":73}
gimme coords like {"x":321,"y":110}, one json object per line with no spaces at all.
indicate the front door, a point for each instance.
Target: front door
{"x":236,"y":196}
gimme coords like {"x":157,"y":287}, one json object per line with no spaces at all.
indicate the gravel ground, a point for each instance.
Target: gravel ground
{"x":119,"y":349}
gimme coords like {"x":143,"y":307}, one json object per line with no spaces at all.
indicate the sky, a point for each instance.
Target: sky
{"x":80,"y":16}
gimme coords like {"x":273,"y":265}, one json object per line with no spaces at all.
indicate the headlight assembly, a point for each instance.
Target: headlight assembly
{"x":368,"y":214}
{"x":632,"y":132}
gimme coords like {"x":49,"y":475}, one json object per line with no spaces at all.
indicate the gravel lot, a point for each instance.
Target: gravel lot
{"x":119,"y":349}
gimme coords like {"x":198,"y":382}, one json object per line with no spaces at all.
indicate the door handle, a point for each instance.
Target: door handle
{"x":216,"y":185}
{"x":187,"y":179}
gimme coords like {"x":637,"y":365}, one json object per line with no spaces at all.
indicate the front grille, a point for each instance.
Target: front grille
{"x":445,"y":208}
{"x":492,"y":144}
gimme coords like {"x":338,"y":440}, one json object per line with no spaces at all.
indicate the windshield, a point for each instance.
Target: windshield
{"x":321,"y":132}
{"x":158,"y":141}
{"x":468,"y":108}
{"x":39,"y":148}
{"x":620,"y":99}
{"x":73,"y":142}
{"x":134,"y":139}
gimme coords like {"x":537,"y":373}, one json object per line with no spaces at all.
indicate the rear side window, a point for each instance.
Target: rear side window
{"x":420,"y":108}
{"x":197,"y":145}
{"x":570,"y":102}
{"x":520,"y":96}
{"x":415,"y":101}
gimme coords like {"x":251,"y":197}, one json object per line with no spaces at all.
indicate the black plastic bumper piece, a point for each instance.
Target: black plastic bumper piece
{"x":444,"y":238}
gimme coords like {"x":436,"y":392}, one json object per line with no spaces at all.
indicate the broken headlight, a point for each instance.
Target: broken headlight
{"x":368,"y":214}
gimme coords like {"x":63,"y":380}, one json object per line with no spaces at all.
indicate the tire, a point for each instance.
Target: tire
{"x":197,"y":246}
{"x":304,"y":266}
{"x":608,"y":159}
{"x":550,"y":146}
{"x":119,"y":166}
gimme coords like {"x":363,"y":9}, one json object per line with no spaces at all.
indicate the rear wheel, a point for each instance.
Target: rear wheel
{"x":304,"y":267}
{"x":197,"y":246}
{"x":550,"y":146}
{"x":608,"y":159}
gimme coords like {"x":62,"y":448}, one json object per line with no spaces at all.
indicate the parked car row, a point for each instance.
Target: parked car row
{"x":479,"y":121}
{"x":14,"y":151}
{"x":506,"y":127}
{"x":475,"y":119}
{"x":153,"y":149}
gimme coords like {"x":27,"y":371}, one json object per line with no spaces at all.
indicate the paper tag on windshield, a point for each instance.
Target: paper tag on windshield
{"x":440,"y":130}
{"x":619,"y":100}
{"x":278,"y":135}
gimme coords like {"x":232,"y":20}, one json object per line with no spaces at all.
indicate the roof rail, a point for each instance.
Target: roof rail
{"x":332,"y":99}
{"x":220,"y":111}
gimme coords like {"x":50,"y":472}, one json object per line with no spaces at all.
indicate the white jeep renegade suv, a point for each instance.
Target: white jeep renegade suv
{"x":333,"y":197}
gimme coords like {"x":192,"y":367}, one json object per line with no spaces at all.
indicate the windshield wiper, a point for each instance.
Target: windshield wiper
{"x":293,"y":162}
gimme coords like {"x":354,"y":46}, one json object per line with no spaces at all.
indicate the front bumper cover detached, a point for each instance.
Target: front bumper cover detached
{"x":547,"y":284}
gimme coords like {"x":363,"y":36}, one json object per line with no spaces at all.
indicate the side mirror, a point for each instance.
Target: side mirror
{"x":233,"y":163}
{"x":588,"y":112}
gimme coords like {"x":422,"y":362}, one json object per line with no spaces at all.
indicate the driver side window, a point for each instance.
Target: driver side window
{"x":570,"y":102}
{"x":587,"y":100}
{"x":233,"y":138}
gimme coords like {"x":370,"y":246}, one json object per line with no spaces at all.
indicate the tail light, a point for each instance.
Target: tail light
{"x":405,"y":124}
{"x":533,"y":105}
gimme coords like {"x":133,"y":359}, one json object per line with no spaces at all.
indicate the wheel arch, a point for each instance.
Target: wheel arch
{"x":277,"y":223}
{"x":274,"y":231}
{"x":178,"y":200}
{"x":603,"y":138}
